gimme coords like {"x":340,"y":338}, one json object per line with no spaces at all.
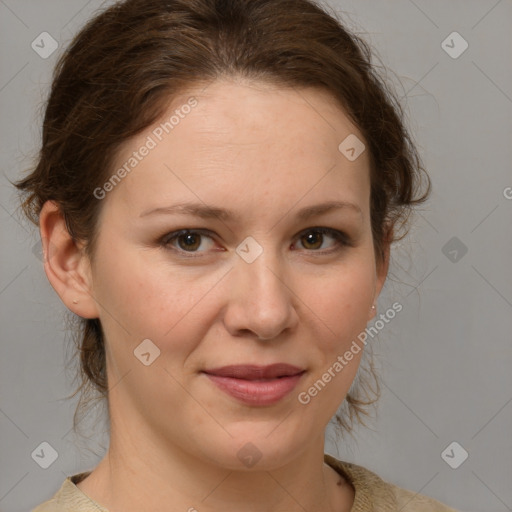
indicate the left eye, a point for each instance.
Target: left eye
{"x":190,"y":240}
{"x":316,"y":236}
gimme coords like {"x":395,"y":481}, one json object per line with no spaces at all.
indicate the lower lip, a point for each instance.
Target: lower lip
{"x":256,"y":392}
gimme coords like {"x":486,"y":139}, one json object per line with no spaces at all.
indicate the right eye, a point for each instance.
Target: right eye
{"x":185,"y":240}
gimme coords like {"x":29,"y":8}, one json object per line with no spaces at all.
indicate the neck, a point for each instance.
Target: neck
{"x":137,"y":474}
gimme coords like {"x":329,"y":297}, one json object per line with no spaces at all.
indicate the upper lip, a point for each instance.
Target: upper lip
{"x":251,"y":372}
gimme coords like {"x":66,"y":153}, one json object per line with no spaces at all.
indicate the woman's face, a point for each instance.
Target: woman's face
{"x":254,"y":283}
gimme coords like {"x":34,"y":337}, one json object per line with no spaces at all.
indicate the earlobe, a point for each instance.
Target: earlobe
{"x":65,"y":263}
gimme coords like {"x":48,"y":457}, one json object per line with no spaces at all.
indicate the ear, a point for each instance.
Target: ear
{"x":65,"y":263}
{"x":382,"y":268}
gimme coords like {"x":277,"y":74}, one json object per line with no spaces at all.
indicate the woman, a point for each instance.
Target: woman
{"x":217,"y":192}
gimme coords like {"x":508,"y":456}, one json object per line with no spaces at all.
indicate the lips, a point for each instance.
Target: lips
{"x":256,"y":385}
{"x":253,"y":372}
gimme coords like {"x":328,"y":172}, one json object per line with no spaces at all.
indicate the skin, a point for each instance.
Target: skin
{"x":264,"y":152}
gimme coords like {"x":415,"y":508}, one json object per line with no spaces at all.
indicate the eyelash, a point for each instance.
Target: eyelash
{"x":341,"y":239}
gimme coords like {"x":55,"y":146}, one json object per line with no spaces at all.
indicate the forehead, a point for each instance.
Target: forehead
{"x":231,"y":141}
{"x":248,"y":114}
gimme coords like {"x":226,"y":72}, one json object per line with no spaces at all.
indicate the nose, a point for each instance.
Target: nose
{"x":261,"y":301}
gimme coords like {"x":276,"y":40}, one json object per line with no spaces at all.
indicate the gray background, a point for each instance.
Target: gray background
{"x":445,"y":359}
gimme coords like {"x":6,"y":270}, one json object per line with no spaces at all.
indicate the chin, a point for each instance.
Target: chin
{"x":253,"y":449}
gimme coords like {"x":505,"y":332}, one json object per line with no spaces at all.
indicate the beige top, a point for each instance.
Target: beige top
{"x":372,"y":494}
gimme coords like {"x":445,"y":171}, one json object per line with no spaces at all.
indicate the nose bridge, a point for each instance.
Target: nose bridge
{"x":262,"y":272}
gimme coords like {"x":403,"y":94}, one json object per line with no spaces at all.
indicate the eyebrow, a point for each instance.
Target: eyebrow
{"x":207,"y":212}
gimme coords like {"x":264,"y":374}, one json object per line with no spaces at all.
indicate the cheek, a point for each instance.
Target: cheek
{"x":137,"y":294}
{"x":341,"y":307}
{"x":342,"y":303}
{"x":142,"y":300}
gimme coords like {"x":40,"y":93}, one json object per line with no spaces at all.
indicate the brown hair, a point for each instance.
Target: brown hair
{"x":122,"y":69}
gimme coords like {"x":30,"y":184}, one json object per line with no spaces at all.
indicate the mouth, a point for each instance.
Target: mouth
{"x":256,"y":385}
{"x":254,"y":372}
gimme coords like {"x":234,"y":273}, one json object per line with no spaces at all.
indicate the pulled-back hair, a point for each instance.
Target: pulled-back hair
{"x":124,"y":67}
